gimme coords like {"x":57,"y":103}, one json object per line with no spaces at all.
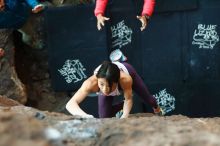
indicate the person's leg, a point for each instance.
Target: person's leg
{"x":140,"y":88}
{"x":14,"y":18}
{"x":117,"y":107}
{"x":35,"y":5}
{"x":105,"y":106}
{"x":32,"y":3}
{"x":10,"y":20}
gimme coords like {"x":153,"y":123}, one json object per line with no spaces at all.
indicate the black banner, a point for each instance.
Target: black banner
{"x":123,"y":30}
{"x":75,"y":46}
{"x":177,"y":55}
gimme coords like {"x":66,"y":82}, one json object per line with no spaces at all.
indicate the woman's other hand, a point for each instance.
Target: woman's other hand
{"x":143,"y":20}
{"x":101,"y":21}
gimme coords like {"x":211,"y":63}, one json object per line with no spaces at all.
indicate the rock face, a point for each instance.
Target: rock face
{"x":4,"y":101}
{"x":24,"y":74}
{"x":25,"y":126}
{"x":10,"y":85}
{"x":27,"y":81}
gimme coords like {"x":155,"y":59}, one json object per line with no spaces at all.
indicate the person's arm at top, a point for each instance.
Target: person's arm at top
{"x":147,"y":12}
{"x":73,"y":104}
{"x":100,"y":7}
{"x":148,"y":7}
{"x":99,"y":13}
{"x":128,"y":101}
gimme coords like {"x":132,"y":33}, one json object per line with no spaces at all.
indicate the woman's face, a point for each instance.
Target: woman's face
{"x":104,"y":86}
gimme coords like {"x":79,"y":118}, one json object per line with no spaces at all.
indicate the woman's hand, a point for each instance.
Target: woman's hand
{"x":73,"y":104}
{"x":101,"y":21}
{"x":124,"y":116}
{"x":143,"y":22}
{"x":87,"y":116}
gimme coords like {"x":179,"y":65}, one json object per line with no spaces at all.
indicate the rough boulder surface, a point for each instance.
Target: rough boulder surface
{"x":10,"y":84}
{"x":25,"y":126}
{"x":26,"y":97}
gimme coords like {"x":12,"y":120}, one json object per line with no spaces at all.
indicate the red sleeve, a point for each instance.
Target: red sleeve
{"x":148,"y":7}
{"x":100,"y":7}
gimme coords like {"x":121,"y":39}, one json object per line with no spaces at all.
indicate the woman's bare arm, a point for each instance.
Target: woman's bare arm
{"x":73,"y":104}
{"x":126,"y":85}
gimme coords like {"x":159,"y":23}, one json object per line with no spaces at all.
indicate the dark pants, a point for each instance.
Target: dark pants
{"x":106,"y":109}
{"x":14,"y":18}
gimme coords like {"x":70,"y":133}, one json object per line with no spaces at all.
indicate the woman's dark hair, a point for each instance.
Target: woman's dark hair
{"x":110,"y":72}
